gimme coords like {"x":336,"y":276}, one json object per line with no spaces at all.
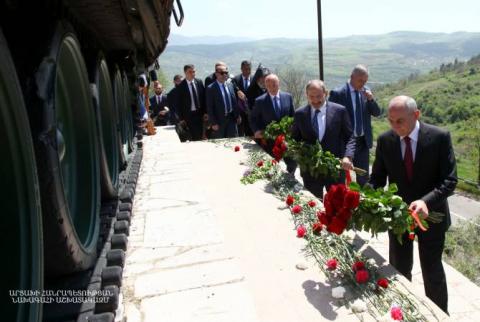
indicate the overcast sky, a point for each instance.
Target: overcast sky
{"x":298,"y":18}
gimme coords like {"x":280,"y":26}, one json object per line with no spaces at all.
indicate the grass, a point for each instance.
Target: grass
{"x":462,"y":249}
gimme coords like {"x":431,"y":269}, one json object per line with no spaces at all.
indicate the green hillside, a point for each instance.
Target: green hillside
{"x":448,"y":96}
{"x":390,"y":57}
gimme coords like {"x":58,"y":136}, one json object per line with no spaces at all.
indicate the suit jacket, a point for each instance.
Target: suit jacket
{"x":338,"y":138}
{"x":343,"y":97}
{"x":185,"y":101}
{"x":216,"y":104}
{"x":434,"y":168}
{"x":210,"y":79}
{"x":157,"y":107}
{"x":172,"y":103}
{"x":263,"y":112}
{"x":253,"y":92}
{"x":238,"y":80}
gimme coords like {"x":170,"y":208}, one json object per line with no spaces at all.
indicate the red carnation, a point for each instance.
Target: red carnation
{"x":260,"y":163}
{"x":411,"y":236}
{"x":317,"y":228}
{"x":324,"y":218}
{"x":332,"y":264}
{"x":382,"y":282}
{"x":337,"y":226}
{"x":301,"y":231}
{"x":312,"y":203}
{"x":396,"y":313}
{"x":328,"y":205}
{"x":358,"y":266}
{"x":337,"y":195}
{"x":277,"y":153}
{"x":352,"y":199}
{"x":274,"y":162}
{"x":237,"y":148}
{"x":297,"y":209}
{"x":362,"y":276}
{"x":290,"y":200}
{"x":345,"y":214}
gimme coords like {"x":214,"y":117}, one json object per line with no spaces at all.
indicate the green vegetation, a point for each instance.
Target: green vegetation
{"x":449,"y":97}
{"x":462,"y":249}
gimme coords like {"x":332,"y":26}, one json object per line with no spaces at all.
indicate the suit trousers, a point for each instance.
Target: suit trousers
{"x":227,"y":129}
{"x":361,"y":159}
{"x":430,"y":247}
{"x":195,"y":125}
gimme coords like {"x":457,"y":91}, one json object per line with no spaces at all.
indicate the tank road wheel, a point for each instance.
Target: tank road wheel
{"x":21,"y":228}
{"x":128,"y":113}
{"x":107,"y":125}
{"x":119,"y":98}
{"x":68,"y":158}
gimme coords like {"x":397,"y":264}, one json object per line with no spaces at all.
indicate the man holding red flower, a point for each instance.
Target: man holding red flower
{"x":419,"y":158}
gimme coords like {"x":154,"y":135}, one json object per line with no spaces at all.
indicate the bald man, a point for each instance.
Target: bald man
{"x":419,"y":158}
{"x":269,"y":107}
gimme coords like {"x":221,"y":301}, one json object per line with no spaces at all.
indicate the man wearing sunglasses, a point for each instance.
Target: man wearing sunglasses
{"x":222,"y":108}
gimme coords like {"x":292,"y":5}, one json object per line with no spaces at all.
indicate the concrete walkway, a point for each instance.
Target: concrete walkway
{"x":203,"y":247}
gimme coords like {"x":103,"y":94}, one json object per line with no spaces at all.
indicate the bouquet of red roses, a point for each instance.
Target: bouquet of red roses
{"x":340,"y":203}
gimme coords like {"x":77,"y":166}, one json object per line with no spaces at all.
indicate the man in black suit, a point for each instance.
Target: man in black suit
{"x":361,"y":105}
{"x":419,"y":158}
{"x":172,"y":99}
{"x":242,"y":82}
{"x":158,"y":106}
{"x":269,"y":107}
{"x":329,"y":124}
{"x":191,"y":103}
{"x":223,"y":113}
{"x":213,"y":77}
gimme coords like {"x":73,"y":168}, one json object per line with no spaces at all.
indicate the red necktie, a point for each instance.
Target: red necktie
{"x":408,"y":158}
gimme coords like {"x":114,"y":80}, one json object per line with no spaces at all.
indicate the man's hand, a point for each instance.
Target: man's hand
{"x":369,"y":95}
{"x":205,"y":118}
{"x":239,"y":120}
{"x":420,"y":207}
{"x":241,"y":95}
{"x":258,"y":135}
{"x":347,"y":164}
{"x":183,"y":123}
{"x":215,"y":127}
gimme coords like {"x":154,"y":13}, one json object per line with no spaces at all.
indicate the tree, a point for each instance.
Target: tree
{"x":293,"y":80}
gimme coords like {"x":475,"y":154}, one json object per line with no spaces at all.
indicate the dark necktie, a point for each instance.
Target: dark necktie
{"x":315,"y":123}
{"x":408,"y":158}
{"x":276,"y":107}
{"x":228,"y":103}
{"x":195,"y":97}
{"x":358,"y":114}
{"x":245,"y":83}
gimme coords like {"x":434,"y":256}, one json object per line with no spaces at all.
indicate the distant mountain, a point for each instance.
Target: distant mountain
{"x":390,"y":57}
{"x":180,"y":40}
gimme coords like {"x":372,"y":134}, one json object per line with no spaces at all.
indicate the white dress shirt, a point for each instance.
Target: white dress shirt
{"x":354,"y":105}
{"x":321,"y":119}
{"x":190,"y":84}
{"x":413,"y":141}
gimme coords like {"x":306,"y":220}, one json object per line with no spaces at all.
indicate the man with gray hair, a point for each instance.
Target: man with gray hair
{"x":419,"y":159}
{"x":361,"y":105}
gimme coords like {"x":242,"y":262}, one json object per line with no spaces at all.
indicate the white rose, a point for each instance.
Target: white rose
{"x":359,"y":306}
{"x":338,"y":292}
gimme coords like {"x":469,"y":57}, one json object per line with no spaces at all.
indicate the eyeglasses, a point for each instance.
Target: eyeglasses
{"x":223,"y":73}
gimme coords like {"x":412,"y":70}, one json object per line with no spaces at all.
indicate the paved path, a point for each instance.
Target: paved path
{"x":205,"y":248}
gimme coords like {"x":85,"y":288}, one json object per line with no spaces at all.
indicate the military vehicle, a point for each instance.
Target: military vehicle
{"x":67,"y":102}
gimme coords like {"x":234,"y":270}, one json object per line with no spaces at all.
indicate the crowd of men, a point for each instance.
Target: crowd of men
{"x":418,"y":157}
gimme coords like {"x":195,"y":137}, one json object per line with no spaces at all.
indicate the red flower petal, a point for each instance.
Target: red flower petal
{"x":396,"y":313}
{"x":289,"y":200}
{"x":411,"y":236}
{"x":297,"y":209}
{"x":260,"y":163}
{"x":332,"y":264}
{"x":382,"y":282}
{"x":337,"y":226}
{"x":358,"y":266}
{"x":312,"y":203}
{"x":345,"y":214}
{"x":362,"y":276}
{"x":301,"y":231}
{"x":237,"y":148}
{"x":317,"y":228}
{"x":352,"y":199}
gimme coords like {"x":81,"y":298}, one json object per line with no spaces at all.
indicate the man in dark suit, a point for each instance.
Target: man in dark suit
{"x":158,"y":106}
{"x":329,"y":124}
{"x":172,"y":99}
{"x":191,"y":103}
{"x":213,"y":77}
{"x":419,"y":158}
{"x":223,"y":113}
{"x":361,"y":105}
{"x":242,"y":83}
{"x":271,"y":107}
